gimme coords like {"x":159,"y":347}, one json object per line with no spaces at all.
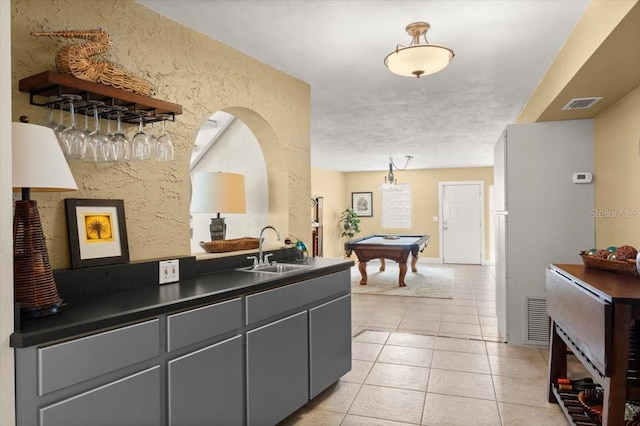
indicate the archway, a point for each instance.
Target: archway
{"x":238,"y":140}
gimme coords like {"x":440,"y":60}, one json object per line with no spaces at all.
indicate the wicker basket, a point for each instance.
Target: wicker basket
{"x":34,"y":287}
{"x":628,"y":267}
{"x":592,"y":400}
{"x":80,"y":60}
{"x":221,"y":246}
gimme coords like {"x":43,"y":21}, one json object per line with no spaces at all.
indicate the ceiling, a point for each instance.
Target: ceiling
{"x":361,"y":113}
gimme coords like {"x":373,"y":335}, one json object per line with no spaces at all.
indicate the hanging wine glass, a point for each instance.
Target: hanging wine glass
{"x":88,"y":110}
{"x":165,"y":149}
{"x":58,"y":127}
{"x":84,"y":108}
{"x":120,"y":145}
{"x":95,"y":141}
{"x":52,"y":107}
{"x":109,"y":132}
{"x":153,"y":142}
{"x":140,"y":144}
{"x":73,"y":138}
{"x":55,"y":100}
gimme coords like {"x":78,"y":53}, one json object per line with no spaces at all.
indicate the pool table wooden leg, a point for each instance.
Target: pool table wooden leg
{"x":362,"y":267}
{"x":382,"y":264}
{"x":403,"y":272}
{"x":414,"y":260}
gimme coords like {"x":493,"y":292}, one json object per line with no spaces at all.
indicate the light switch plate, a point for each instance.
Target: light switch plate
{"x":169,"y":271}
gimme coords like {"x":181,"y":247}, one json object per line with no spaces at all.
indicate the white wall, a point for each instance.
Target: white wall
{"x":236,"y":151}
{"x":7,"y":397}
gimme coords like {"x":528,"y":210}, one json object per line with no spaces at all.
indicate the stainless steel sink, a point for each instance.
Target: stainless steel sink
{"x":276,"y":268}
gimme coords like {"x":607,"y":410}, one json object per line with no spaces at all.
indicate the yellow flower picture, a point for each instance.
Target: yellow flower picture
{"x":98,"y":228}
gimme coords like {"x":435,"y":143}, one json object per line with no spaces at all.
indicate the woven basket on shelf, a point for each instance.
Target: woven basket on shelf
{"x":80,"y":60}
{"x":627,"y":267}
{"x":221,"y":246}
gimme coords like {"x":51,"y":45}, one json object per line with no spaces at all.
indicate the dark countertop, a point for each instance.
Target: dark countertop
{"x":118,"y":309}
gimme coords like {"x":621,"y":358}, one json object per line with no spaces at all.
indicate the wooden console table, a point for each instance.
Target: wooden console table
{"x":593,"y":313}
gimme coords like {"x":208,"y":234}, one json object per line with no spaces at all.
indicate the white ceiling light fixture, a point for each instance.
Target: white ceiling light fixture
{"x":390,"y":181}
{"x":418,"y":59}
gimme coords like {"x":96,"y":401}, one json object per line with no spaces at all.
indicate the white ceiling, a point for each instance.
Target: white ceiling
{"x":361,"y":113}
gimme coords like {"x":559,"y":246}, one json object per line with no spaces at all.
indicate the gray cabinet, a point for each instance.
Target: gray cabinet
{"x":205,"y":386}
{"x":329,"y":343}
{"x":277,"y":370}
{"x":251,"y":360}
{"x":197,"y":325}
{"x":78,"y":360}
{"x":279,"y":301}
{"x":108,"y":378}
{"x":133,"y":400}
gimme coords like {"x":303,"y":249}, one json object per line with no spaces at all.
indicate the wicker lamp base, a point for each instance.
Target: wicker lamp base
{"x":34,"y":287}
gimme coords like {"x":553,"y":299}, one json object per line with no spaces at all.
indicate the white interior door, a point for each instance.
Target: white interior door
{"x":461,"y":226}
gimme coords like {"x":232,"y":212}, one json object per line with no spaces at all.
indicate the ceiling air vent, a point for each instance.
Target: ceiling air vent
{"x":581,"y":103}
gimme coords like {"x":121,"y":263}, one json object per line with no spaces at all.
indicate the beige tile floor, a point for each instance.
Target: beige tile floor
{"x":423,"y":361}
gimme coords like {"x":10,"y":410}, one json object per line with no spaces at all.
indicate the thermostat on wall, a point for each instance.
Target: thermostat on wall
{"x":583,"y":177}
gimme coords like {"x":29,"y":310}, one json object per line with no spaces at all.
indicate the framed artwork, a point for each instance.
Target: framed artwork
{"x":361,"y":203}
{"x":97,"y":232}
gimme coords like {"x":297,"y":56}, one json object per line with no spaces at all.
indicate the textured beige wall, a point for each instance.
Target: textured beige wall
{"x":424,"y":196}
{"x":617,"y":173}
{"x":330,"y":185}
{"x":190,"y":69}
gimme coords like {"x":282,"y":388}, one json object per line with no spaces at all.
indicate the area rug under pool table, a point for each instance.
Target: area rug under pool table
{"x":429,"y":281}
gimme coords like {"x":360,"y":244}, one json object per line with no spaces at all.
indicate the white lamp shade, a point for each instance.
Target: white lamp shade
{"x":38,"y":161}
{"x":217,"y":192}
{"x":418,"y":60}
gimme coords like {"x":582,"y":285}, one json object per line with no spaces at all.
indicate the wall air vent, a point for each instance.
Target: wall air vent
{"x":580,"y":103}
{"x":537,"y":321}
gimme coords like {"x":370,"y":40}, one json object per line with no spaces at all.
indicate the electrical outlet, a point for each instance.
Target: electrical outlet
{"x":169,"y":271}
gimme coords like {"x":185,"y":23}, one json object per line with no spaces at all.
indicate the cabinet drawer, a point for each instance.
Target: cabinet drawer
{"x":203,"y":323}
{"x":585,"y":318}
{"x":77,"y":360}
{"x":134,"y":400}
{"x":269,"y":303}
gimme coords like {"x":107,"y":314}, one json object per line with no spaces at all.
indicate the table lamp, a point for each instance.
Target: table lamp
{"x":217,"y":192}
{"x":38,"y":165}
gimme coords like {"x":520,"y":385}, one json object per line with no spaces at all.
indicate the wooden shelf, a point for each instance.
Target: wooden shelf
{"x":46,"y":84}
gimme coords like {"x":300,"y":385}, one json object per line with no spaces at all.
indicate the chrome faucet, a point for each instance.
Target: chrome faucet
{"x":264,"y":260}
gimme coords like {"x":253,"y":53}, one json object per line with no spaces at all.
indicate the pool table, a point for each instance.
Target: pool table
{"x":393,"y":247}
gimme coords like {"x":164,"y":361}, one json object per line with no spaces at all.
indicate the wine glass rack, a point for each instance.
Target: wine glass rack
{"x":44,"y":86}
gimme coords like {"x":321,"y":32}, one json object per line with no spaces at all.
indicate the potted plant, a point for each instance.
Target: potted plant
{"x":350,"y":225}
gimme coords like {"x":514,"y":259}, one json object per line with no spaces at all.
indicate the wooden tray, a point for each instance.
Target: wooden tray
{"x":221,"y":246}
{"x":627,"y":268}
